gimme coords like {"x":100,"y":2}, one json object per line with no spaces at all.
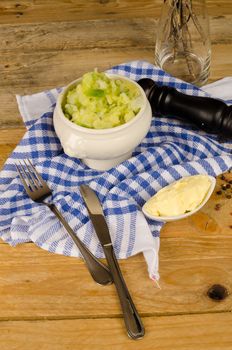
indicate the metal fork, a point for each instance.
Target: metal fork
{"x":38,"y":191}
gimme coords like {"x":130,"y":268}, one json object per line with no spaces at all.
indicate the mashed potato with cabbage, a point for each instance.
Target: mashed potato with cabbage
{"x":100,"y":102}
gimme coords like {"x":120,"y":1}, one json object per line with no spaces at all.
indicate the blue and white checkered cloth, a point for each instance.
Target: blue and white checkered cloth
{"x":170,"y":150}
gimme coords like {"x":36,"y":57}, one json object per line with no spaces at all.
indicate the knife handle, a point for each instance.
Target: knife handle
{"x":135,"y":328}
{"x":98,"y":271}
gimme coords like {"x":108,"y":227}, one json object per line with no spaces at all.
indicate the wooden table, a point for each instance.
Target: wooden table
{"x":49,"y":301}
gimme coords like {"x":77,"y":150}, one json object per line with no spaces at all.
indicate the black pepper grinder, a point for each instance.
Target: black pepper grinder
{"x":209,"y":114}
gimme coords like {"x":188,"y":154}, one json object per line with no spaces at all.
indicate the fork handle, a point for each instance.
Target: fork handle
{"x":98,"y":271}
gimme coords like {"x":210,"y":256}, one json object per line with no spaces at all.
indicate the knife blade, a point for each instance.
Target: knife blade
{"x":133,"y":323}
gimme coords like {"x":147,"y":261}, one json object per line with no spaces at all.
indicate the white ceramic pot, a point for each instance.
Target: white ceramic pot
{"x":102,"y":149}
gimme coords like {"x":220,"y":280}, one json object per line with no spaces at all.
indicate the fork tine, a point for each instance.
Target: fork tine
{"x":27,"y":188}
{"x":37,"y":175}
{"x":34,"y":181}
{"x":27,"y":178}
{"x":34,"y":184}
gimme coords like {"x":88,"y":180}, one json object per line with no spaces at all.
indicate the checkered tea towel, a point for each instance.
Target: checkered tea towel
{"x":170,"y":150}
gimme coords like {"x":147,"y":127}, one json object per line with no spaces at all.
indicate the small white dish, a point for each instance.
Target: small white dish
{"x":183,"y":216}
{"x":102,"y":149}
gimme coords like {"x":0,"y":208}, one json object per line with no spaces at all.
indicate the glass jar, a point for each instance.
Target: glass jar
{"x":183,"y":47}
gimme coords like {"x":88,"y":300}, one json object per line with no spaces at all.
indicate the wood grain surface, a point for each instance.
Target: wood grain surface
{"x":38,"y":11}
{"x":185,"y":332}
{"x":50,"y":301}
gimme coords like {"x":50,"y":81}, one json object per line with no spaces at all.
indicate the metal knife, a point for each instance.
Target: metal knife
{"x":134,"y":326}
